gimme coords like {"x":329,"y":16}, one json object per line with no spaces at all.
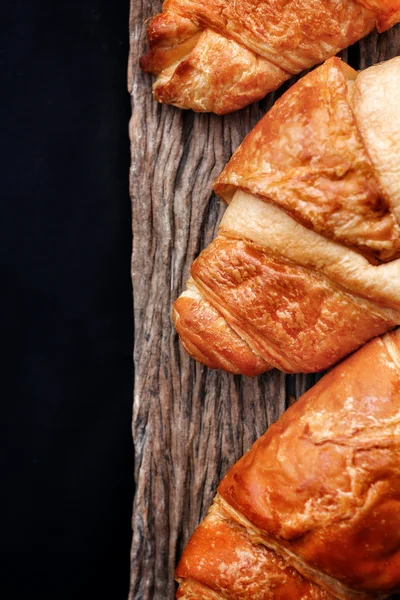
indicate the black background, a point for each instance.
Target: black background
{"x":66,"y":312}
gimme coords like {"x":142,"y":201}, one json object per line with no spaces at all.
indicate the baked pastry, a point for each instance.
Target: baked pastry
{"x":305,"y":268}
{"x":220,"y":55}
{"x":318,"y":492}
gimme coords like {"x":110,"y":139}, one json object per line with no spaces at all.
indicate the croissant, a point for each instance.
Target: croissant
{"x":305,"y":268}
{"x":220,"y":55}
{"x":312,"y":511}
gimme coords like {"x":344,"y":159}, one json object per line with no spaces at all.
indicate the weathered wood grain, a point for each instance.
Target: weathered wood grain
{"x":190,"y":424}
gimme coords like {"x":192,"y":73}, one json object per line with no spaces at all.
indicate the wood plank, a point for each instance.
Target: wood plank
{"x":190,"y":424}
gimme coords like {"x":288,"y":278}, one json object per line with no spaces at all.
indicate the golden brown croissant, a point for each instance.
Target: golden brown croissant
{"x":220,"y":55}
{"x":318,"y":495}
{"x":306,"y":266}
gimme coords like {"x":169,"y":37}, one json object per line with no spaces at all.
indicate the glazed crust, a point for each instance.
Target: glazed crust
{"x":306,"y":265}
{"x":307,"y":156}
{"x":205,"y":332}
{"x":321,"y":488}
{"x":222,"y":561}
{"x":294,"y":318}
{"x":220,"y":55}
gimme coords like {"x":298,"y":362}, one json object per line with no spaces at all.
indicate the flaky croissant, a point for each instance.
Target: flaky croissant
{"x":220,"y":55}
{"x":306,"y":266}
{"x":312,"y":511}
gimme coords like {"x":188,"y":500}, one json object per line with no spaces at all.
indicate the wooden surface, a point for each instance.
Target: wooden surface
{"x":190,"y":424}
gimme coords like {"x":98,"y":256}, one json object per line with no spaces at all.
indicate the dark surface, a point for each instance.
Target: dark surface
{"x":66,"y":311}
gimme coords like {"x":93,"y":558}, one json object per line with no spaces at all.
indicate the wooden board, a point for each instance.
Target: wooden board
{"x":190,"y":424}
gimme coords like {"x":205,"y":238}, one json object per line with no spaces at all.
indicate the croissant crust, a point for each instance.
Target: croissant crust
{"x":306,"y":265}
{"x":318,"y":492}
{"x":219,"y":55}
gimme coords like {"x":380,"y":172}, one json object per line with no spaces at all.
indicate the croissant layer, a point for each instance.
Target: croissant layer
{"x":236,"y":565}
{"x":320,"y":489}
{"x":306,"y":266}
{"x":278,"y":307}
{"x":312,"y":162}
{"x":219,"y":55}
